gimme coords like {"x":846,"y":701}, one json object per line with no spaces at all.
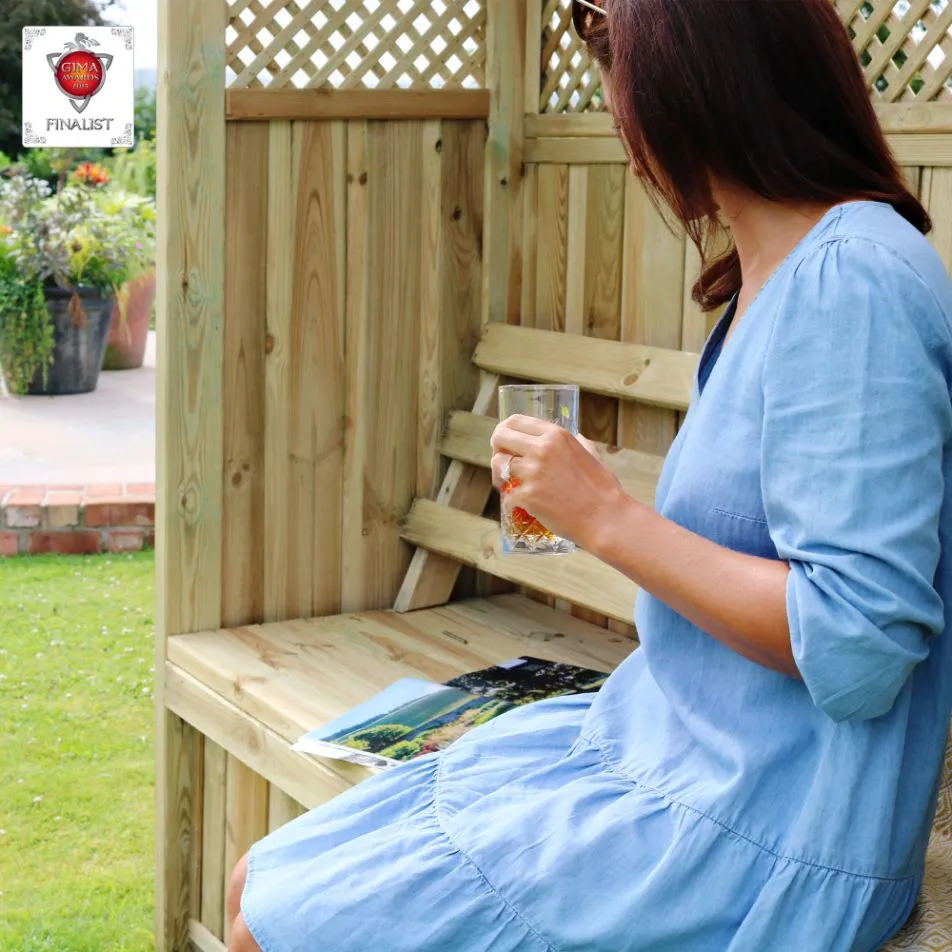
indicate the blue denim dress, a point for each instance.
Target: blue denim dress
{"x":700,"y":802}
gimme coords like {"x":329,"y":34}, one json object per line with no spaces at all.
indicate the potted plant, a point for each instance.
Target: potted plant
{"x":132,"y":312}
{"x":62,"y":259}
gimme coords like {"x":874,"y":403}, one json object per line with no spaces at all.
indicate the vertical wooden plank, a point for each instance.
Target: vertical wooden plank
{"x":652,"y":302}
{"x":533,"y":60}
{"x":936,"y":195}
{"x":603,"y":270}
{"x":530,"y":246}
{"x":601,"y":266}
{"x":282,"y":809}
{"x":383,"y":351}
{"x":189,"y":426}
{"x":505,"y":46}
{"x":357,"y":365}
{"x":576,"y":244}
{"x":214,"y":873}
{"x":550,"y":249}
{"x":242,"y":594}
{"x":246,"y":815}
{"x":694,"y":322}
{"x":181,"y":824}
{"x":316,"y":384}
{"x":277,"y":540}
{"x":912,"y":174}
{"x":432,"y":316}
{"x":462,"y":269}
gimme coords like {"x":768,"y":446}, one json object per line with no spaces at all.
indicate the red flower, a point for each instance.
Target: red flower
{"x":91,"y":173}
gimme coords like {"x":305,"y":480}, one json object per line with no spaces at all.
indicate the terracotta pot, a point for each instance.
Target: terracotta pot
{"x":127,"y":338}
{"x":80,"y":328}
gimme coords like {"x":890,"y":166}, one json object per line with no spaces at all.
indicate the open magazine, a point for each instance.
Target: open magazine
{"x":413,"y":717}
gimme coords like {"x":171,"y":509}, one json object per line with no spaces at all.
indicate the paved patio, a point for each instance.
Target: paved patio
{"x":105,"y":437}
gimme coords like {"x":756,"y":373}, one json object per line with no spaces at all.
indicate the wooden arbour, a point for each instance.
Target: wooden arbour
{"x":370,"y":213}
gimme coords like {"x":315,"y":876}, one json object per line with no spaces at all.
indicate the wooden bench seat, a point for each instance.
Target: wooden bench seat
{"x":254,"y":690}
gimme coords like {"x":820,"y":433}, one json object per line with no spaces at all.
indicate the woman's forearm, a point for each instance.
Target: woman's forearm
{"x":738,"y":599}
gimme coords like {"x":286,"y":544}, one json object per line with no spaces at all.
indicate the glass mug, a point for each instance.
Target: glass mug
{"x":522,"y":533}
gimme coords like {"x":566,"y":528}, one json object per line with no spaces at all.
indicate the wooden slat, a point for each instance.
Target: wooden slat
{"x":927,"y":148}
{"x":203,"y":939}
{"x":911,"y":117}
{"x":315,"y":386}
{"x":579,"y":578}
{"x":190,"y":253}
{"x":246,"y":815}
{"x":936,"y":195}
{"x":242,"y":596}
{"x":651,"y":375}
{"x":430,"y":578}
{"x":282,"y":575}
{"x":282,"y":808}
{"x":213,"y":840}
{"x":652,"y":303}
{"x":502,"y":236}
{"x":327,"y":103}
{"x":467,"y":439}
{"x":266,"y":752}
{"x":382,"y":377}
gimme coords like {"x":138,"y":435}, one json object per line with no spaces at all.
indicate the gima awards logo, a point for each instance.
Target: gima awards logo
{"x":78,"y":87}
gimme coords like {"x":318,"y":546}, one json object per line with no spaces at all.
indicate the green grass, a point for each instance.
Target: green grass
{"x":76,"y":754}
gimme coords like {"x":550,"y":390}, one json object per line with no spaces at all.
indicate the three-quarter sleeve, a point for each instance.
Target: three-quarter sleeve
{"x":856,"y":414}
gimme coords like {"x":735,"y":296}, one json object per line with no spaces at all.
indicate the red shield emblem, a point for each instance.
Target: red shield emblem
{"x":79,"y":72}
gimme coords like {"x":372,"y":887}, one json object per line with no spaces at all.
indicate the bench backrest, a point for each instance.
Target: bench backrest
{"x":452,"y":530}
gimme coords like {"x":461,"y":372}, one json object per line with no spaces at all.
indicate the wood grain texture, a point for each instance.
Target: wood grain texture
{"x":652,"y":301}
{"x":246,"y":815}
{"x":936,"y":195}
{"x":382,"y":375}
{"x":430,"y":577}
{"x":282,"y":808}
{"x":190,"y":263}
{"x":656,"y":376}
{"x":203,"y":939}
{"x":246,"y":236}
{"x":280,"y":577}
{"x":315,"y":385}
{"x":502,"y":235}
{"x":323,"y":104}
{"x":578,"y":578}
{"x":895,"y":118}
{"x":551,"y":214}
{"x":247,"y":737}
{"x":214,"y":874}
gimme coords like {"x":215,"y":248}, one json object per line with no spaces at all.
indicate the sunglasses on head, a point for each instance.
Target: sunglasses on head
{"x":582,"y":16}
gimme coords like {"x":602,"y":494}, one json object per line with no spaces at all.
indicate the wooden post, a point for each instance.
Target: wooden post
{"x":191,"y":269}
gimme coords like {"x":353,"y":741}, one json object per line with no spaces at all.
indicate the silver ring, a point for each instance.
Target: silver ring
{"x":506,"y":471}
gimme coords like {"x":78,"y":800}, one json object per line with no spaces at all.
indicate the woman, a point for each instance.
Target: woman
{"x":762,"y":773}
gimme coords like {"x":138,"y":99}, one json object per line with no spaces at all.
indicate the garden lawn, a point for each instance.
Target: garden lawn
{"x":76,"y":755}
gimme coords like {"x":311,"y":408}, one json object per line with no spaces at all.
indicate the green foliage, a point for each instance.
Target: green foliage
{"x":26,"y":332}
{"x":135,"y":169}
{"x":77,"y":814}
{"x":405,"y":749}
{"x":145,"y":113}
{"x":85,"y":236}
{"x":16,"y":15}
{"x":382,"y":736}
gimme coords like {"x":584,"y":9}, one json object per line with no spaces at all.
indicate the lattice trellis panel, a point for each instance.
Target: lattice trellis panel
{"x":905,"y":47}
{"x":356,"y":44}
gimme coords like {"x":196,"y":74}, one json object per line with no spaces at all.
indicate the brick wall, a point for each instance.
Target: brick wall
{"x":76,"y":520}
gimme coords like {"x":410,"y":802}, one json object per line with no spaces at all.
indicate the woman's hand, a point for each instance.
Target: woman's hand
{"x":556,"y":477}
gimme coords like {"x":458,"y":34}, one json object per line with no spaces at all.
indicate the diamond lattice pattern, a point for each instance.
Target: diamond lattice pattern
{"x":348,"y":44}
{"x":905,"y":47}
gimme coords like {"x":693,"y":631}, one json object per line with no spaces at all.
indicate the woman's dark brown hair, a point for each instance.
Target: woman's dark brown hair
{"x":767,"y":95}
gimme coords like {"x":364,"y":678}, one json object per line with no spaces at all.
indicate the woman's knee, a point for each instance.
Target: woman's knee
{"x":236,"y":886}
{"x":240,"y":939}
